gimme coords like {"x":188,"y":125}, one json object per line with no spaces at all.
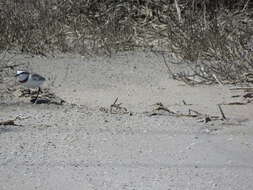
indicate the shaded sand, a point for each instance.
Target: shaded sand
{"x":77,"y":146}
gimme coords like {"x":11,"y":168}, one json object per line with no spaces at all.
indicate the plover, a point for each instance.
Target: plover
{"x":30,"y":80}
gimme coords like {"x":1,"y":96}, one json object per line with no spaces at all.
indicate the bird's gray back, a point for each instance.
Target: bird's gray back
{"x":37,"y":77}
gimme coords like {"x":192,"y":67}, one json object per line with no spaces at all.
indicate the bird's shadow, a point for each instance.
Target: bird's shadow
{"x":46,"y":101}
{"x":40,"y":101}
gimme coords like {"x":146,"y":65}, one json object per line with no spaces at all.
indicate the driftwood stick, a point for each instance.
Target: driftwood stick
{"x":114,"y":103}
{"x":222,"y":113}
{"x":165,"y":109}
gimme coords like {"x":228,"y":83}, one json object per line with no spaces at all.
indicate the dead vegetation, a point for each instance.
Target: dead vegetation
{"x":214,"y":37}
{"x":245,"y":97}
{"x":160,"y":109}
{"x":115,"y":108}
{"x":47,"y":97}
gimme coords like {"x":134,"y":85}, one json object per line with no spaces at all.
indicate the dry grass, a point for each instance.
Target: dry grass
{"x":216,"y":36}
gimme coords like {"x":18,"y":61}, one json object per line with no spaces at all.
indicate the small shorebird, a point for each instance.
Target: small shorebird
{"x":30,"y":80}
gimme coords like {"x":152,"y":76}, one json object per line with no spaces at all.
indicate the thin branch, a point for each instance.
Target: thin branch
{"x":222,"y":113}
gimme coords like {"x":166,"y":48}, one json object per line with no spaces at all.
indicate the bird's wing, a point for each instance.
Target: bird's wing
{"x":37,"y":77}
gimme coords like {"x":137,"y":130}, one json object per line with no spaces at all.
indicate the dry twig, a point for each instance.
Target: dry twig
{"x":222,"y":113}
{"x":12,"y":121}
{"x":191,"y":113}
{"x":116,"y":108}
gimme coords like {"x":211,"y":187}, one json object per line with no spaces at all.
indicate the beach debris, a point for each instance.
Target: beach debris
{"x":222,"y":113}
{"x":186,"y":104}
{"x":115,"y":108}
{"x":47,"y":97}
{"x":245,"y":98}
{"x":160,"y":109}
{"x":12,"y":121}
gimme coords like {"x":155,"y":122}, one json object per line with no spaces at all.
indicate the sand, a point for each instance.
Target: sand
{"x":80,"y":145}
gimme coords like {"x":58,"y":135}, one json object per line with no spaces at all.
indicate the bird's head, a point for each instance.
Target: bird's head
{"x":18,"y":73}
{"x":22,"y":76}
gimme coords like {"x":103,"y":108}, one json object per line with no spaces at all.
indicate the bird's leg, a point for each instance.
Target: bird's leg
{"x":39,"y":90}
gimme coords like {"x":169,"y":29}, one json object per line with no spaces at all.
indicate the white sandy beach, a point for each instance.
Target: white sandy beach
{"x":77,"y":146}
